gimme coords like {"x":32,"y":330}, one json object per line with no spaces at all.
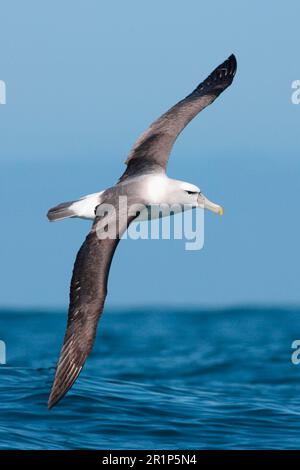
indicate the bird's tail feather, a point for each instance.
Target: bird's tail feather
{"x":84,"y":208}
{"x":62,"y":211}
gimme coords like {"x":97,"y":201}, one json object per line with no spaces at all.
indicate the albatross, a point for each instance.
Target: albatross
{"x":144,"y":183}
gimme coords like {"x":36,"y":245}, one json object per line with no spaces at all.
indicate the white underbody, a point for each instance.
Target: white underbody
{"x":158,"y":191}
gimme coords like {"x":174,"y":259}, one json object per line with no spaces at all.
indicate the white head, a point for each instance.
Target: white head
{"x":160,"y":189}
{"x":189,"y":194}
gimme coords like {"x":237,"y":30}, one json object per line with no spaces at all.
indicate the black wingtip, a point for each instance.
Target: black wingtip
{"x":233,"y":62}
{"x":227,"y":68}
{"x":220,"y":78}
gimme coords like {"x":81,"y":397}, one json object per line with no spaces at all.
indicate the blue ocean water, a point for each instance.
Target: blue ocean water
{"x":157,"y":379}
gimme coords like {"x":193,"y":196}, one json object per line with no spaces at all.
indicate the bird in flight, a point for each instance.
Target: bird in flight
{"x":144,"y":184}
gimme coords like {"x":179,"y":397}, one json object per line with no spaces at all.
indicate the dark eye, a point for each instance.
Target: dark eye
{"x":191,"y":192}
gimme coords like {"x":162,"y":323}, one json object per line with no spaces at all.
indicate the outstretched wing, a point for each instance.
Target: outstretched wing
{"x":151,"y":151}
{"x":87,"y":296}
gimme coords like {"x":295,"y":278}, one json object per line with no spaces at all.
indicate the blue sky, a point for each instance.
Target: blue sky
{"x":85,"y":78}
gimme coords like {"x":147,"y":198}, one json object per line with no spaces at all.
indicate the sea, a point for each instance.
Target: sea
{"x":158,"y":378}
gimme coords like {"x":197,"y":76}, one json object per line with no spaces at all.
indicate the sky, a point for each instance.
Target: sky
{"x":84,"y":79}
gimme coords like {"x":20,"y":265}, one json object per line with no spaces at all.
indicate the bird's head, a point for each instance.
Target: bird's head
{"x":191,"y":194}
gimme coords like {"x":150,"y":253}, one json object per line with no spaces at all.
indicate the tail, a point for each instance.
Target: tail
{"x":62,"y":211}
{"x":84,"y":208}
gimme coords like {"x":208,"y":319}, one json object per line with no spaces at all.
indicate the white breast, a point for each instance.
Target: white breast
{"x":156,"y":189}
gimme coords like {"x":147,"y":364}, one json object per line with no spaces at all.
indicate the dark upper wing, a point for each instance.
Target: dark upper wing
{"x":151,"y":151}
{"x":87,"y":297}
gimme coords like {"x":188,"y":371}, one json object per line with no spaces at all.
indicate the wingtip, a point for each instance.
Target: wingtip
{"x":55,"y":395}
{"x":229,"y":66}
{"x":231,"y":62}
{"x":232,"y":59}
{"x":52,"y":401}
